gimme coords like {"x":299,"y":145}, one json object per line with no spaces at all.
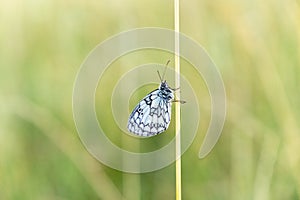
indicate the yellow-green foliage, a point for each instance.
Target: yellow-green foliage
{"x":255,"y":44}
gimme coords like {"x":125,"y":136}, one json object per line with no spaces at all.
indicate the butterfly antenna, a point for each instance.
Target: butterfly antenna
{"x":163,"y":76}
{"x":159,"y":76}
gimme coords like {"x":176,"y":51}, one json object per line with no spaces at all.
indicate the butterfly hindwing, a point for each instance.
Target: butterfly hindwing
{"x":151,"y":116}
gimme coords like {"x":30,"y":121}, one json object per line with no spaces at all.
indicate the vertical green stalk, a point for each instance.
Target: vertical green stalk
{"x":177,"y":105}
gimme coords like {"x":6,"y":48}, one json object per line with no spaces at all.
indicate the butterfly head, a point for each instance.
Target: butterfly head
{"x":165,"y":91}
{"x":163,"y":85}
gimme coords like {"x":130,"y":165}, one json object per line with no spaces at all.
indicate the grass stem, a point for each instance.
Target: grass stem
{"x":177,"y":105}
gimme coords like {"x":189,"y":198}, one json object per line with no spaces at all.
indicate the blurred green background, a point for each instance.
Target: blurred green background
{"x":255,"y":44}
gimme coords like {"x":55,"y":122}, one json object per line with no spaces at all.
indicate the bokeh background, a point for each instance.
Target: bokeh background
{"x":254,"y":43}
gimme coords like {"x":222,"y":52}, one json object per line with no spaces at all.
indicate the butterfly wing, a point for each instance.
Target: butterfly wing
{"x":151,"y":116}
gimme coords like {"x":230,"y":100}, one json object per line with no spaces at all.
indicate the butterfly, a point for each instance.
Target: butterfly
{"x":152,"y":115}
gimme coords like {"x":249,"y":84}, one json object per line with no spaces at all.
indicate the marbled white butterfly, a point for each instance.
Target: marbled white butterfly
{"x":152,"y":115}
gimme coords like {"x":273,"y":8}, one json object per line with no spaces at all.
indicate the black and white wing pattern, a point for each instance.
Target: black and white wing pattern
{"x":152,"y":115}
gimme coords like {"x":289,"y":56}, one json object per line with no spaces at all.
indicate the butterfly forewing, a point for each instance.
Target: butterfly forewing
{"x":153,"y":113}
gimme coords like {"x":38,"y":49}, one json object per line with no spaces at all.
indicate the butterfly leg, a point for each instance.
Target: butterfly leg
{"x":180,"y":101}
{"x":174,"y":89}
